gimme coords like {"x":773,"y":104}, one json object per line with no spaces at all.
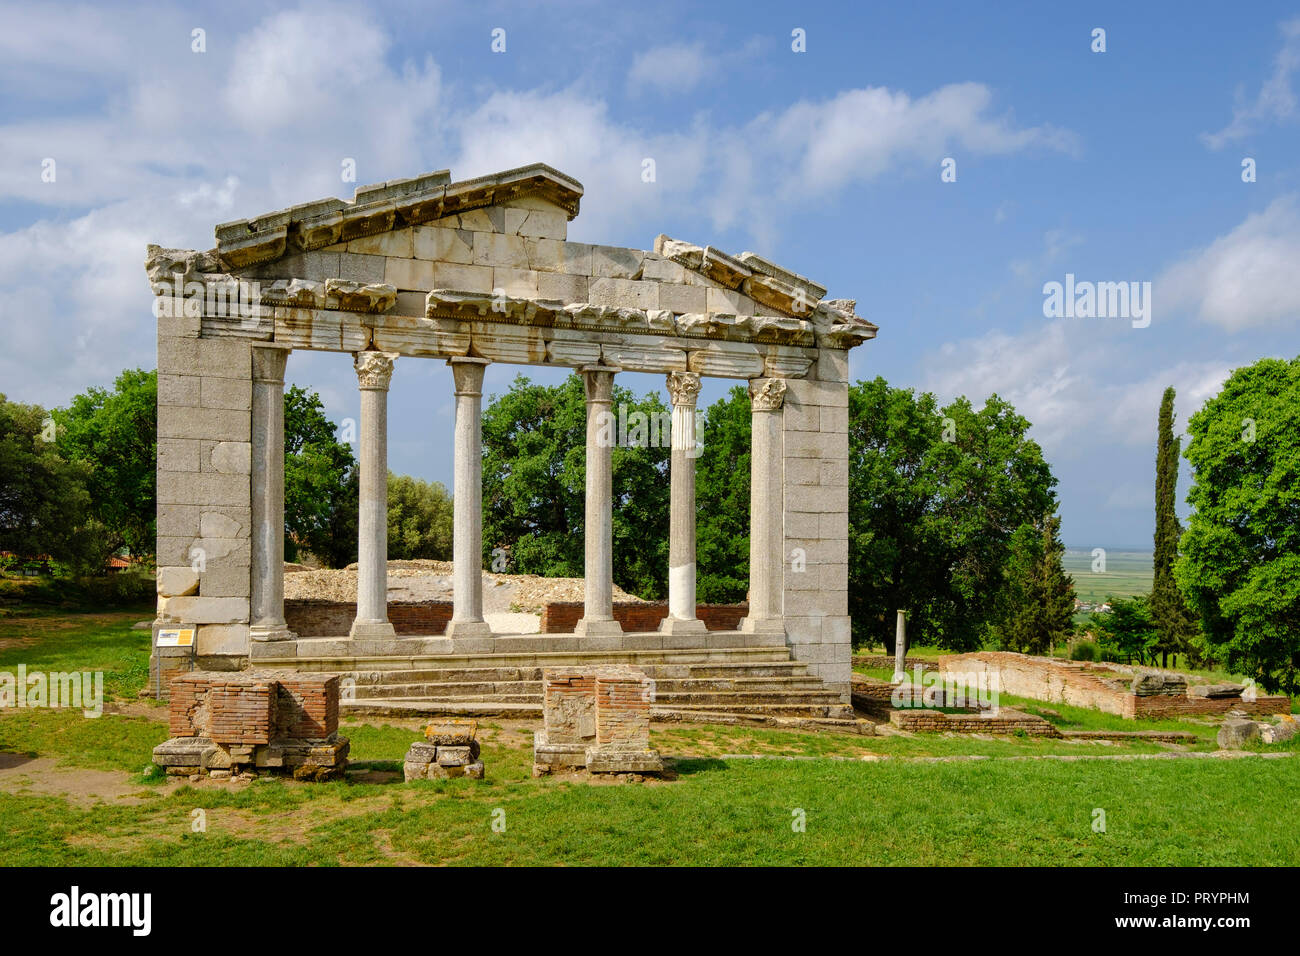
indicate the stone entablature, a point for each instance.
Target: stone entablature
{"x":475,"y":272}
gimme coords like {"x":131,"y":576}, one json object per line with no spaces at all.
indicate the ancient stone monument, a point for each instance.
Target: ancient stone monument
{"x":224,"y":724}
{"x":597,"y":719}
{"x":469,"y":273}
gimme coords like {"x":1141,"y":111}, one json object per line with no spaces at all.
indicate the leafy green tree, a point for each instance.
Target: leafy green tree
{"x":1038,"y":597}
{"x":534,"y":472}
{"x":45,"y":504}
{"x":321,"y":488}
{"x":935,"y":495}
{"x":1129,"y":630}
{"x":722,"y":475}
{"x":419,"y":519}
{"x":1239,"y":564}
{"x":1175,"y":626}
{"x":113,"y":433}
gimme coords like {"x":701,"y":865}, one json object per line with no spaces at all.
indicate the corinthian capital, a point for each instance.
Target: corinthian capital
{"x":684,"y":388}
{"x":767,"y":394}
{"x":374,"y":369}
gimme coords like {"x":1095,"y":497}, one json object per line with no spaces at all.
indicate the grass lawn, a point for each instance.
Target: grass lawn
{"x":74,"y":791}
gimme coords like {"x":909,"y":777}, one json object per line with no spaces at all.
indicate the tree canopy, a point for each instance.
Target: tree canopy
{"x":321,"y":488}
{"x":1239,"y":564}
{"x":114,"y":435}
{"x":935,"y":495}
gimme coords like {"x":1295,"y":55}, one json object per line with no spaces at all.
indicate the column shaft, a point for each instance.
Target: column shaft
{"x":467,"y":502}
{"x":598,"y":590}
{"x":374,"y":374}
{"x":267,"y":618}
{"x":683,"y":388}
{"x":765,"y":508}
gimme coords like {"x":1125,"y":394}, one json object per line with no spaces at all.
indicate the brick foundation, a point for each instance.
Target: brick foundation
{"x":223,"y":723}
{"x":598,"y":719}
{"x":312,"y":618}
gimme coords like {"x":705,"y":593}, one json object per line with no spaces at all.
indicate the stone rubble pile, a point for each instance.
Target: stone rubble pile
{"x":450,"y":749}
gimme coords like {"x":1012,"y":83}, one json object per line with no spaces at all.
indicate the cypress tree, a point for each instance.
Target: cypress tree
{"x":1169,"y":611}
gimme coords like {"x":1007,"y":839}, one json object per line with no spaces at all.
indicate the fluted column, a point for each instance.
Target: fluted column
{"x":598,"y":576}
{"x":374,"y":373}
{"x":267,"y":608}
{"x":683,"y":389}
{"x":765,"y":508}
{"x":467,"y":502}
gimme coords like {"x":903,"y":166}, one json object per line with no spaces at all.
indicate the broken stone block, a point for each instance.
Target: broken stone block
{"x":624,"y":761}
{"x":422,"y":753}
{"x":1216,"y":691}
{"x":1235,"y":733}
{"x":454,"y":756}
{"x":1285,"y":728}
{"x":475,"y":770}
{"x":451,"y":732}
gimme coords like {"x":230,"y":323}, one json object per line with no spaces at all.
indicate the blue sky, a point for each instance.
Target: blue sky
{"x":1115,"y":166}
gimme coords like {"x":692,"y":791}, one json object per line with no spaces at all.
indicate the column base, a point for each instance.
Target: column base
{"x":586,"y":627}
{"x":762,"y":625}
{"x":468,"y":629}
{"x":372,"y":630}
{"x":677,"y":625}
{"x":270,"y":632}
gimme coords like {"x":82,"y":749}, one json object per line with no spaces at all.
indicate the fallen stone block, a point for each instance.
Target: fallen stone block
{"x":624,"y":761}
{"x":1236,"y":732}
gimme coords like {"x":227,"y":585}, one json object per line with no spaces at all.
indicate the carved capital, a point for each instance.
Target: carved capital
{"x":766,"y":394}
{"x":684,"y":388}
{"x":598,"y":382}
{"x":468,"y":375}
{"x":374,"y":369}
{"x":269,"y":364}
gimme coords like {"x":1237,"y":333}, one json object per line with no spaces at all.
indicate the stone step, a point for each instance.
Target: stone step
{"x":830,"y":709}
{"x":823,"y":718}
{"x":660,"y":672}
{"x":715,"y":656}
{"x":525,"y":693}
{"x":451,"y":684}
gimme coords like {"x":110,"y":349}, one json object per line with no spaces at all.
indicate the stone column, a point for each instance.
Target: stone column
{"x":266,"y":622}
{"x":900,"y":647}
{"x":598,"y":571}
{"x":374,"y":373}
{"x":766,"y":540}
{"x":684,"y":389}
{"x":467,"y":501}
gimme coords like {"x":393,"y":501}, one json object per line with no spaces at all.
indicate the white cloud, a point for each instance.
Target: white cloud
{"x":674,"y":68}
{"x":1245,"y":278}
{"x":1275,"y":101}
{"x":1061,"y":376}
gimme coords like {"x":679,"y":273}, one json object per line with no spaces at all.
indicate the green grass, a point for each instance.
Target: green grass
{"x":717,"y":811}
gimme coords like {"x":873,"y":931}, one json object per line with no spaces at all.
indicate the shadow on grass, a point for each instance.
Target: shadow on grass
{"x":686,"y":766}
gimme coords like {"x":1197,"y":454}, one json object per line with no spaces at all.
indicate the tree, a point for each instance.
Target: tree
{"x":1239,"y":561}
{"x":44,"y":500}
{"x":1128,"y":631}
{"x":1038,"y":597}
{"x":534,"y":472}
{"x":722,"y":475}
{"x":935,"y":495}
{"x":1175,"y":627}
{"x":321,"y":487}
{"x":114,"y":435}
{"x":419,"y":519}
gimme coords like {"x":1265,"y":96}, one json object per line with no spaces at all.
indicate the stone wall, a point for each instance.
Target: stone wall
{"x":560,"y":617}
{"x":1005,"y":722}
{"x":815,"y":436}
{"x":204,"y":494}
{"x":1104,"y":687}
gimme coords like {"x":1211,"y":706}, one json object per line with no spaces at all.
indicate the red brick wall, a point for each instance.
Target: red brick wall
{"x":310,"y":618}
{"x":1007,"y":722}
{"x":560,"y":617}
{"x":1135,"y":706}
{"x":254,"y":708}
{"x":623,"y":708}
